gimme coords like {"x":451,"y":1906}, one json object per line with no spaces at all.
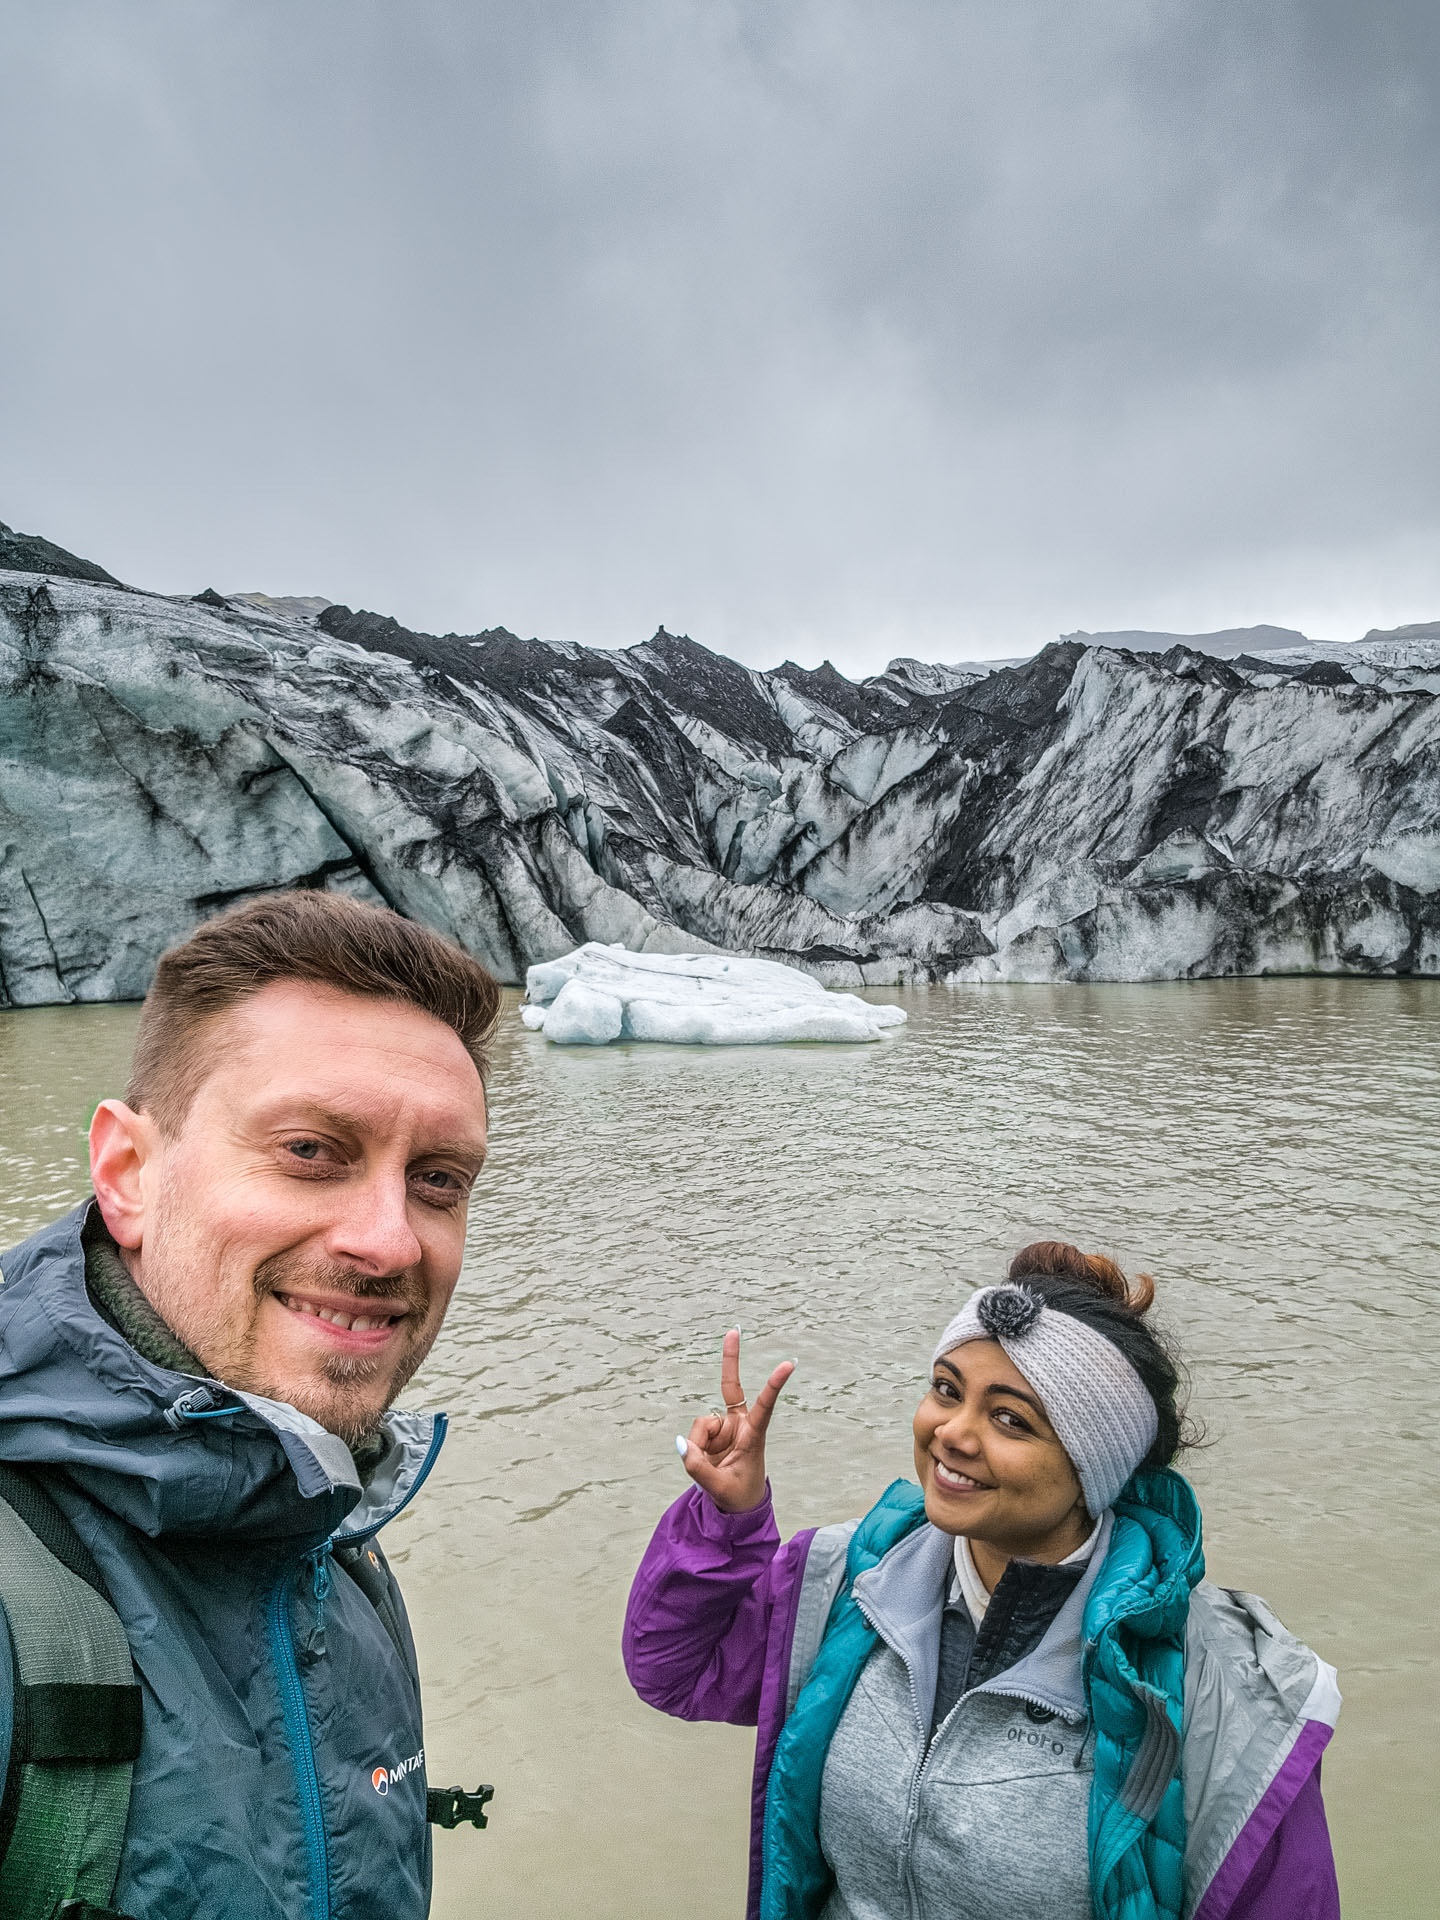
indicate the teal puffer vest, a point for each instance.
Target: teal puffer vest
{"x":1133,"y":1671}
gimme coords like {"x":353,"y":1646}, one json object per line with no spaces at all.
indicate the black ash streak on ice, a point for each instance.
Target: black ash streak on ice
{"x":1096,"y":813}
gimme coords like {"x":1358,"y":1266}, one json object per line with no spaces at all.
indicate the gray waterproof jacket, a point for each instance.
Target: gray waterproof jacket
{"x":282,"y":1771}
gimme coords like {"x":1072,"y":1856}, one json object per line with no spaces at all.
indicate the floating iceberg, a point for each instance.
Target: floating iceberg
{"x":601,"y":993}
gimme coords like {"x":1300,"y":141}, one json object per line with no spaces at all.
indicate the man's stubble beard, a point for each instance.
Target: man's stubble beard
{"x":206,"y":1329}
{"x":349,"y":1411}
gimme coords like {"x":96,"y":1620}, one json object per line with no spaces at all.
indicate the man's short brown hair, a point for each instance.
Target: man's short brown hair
{"x":322,"y":939}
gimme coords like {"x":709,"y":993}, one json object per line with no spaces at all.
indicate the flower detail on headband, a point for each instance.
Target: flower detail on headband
{"x":1007,"y":1312}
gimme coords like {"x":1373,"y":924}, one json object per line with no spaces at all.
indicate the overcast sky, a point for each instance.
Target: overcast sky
{"x":809,"y":327}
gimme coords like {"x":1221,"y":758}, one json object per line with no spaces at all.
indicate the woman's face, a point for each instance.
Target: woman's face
{"x":989,"y":1462}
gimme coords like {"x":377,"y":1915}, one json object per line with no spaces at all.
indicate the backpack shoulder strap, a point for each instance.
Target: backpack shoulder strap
{"x":77,"y":1713}
{"x":369,"y":1569}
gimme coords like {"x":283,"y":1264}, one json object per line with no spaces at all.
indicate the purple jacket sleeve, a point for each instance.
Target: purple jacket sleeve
{"x":1294,"y":1877}
{"x":703,"y":1607}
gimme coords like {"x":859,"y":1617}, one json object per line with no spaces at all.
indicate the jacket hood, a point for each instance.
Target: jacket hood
{"x":167,"y":1455}
{"x":1156,"y":1557}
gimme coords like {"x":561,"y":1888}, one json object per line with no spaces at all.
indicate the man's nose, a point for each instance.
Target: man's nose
{"x":373,"y":1227}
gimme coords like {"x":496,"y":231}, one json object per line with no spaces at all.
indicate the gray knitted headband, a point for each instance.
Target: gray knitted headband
{"x":1094,"y":1399}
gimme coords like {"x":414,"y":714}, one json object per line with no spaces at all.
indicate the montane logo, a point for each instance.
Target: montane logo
{"x":383,"y":1778}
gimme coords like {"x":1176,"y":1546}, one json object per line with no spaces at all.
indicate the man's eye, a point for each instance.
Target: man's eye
{"x":312,"y":1153}
{"x":441,"y":1180}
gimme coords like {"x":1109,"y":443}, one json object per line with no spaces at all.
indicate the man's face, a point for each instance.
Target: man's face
{"x":303,"y":1232}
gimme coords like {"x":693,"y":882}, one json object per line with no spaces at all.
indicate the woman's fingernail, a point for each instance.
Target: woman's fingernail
{"x":682,"y":1445}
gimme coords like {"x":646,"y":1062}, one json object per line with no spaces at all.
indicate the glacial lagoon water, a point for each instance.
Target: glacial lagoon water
{"x":1267,"y":1148}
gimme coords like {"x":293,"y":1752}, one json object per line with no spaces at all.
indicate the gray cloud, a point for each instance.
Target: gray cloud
{"x":846,"y":327}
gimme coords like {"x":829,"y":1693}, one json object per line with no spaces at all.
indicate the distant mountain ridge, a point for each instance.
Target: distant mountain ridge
{"x":1095,"y":813}
{"x":29,"y":553}
{"x":1223,"y":645}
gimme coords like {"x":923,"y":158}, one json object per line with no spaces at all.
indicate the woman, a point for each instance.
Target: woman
{"x":1006,"y":1691}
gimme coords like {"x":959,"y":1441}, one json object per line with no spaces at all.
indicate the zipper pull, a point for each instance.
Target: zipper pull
{"x":321,"y":1577}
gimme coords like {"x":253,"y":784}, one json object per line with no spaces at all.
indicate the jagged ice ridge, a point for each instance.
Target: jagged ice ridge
{"x":1092,"y":814}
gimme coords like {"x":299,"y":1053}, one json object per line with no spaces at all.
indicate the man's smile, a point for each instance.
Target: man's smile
{"x":343,"y":1319}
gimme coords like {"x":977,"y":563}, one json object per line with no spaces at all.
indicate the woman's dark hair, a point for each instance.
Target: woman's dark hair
{"x":1091,"y":1288}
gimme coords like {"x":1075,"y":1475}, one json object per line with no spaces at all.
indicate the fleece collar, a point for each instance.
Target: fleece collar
{"x":902,"y":1597}
{"x":111,"y":1286}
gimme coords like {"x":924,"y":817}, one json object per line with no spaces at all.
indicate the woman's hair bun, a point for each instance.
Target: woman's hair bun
{"x":1058,"y":1260}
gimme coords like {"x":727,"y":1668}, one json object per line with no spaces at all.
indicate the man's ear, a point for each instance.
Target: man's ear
{"x":121,"y":1142}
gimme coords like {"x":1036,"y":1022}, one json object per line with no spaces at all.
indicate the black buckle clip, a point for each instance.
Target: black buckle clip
{"x":82,"y":1910}
{"x":452,"y":1806}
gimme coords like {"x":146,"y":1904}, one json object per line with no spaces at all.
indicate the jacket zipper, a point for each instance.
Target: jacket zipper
{"x":292,"y":1693}
{"x":912,"y":1805}
{"x":297,"y":1731}
{"x":912,"y":1802}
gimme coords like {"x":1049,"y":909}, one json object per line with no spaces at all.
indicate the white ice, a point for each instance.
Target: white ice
{"x":601,"y":993}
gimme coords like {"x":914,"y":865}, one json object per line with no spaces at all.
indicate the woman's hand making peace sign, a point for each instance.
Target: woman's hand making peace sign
{"x":725,"y":1453}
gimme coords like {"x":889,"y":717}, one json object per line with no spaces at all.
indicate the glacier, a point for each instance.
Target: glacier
{"x":1095,"y":813}
{"x":602,"y":993}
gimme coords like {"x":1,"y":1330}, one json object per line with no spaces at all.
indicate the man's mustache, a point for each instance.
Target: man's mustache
{"x":283,"y":1273}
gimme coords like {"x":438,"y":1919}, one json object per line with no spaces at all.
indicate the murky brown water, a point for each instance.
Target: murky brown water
{"x":1268,"y":1148}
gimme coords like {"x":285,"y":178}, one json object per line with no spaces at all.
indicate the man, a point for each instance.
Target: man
{"x":197,"y":1368}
